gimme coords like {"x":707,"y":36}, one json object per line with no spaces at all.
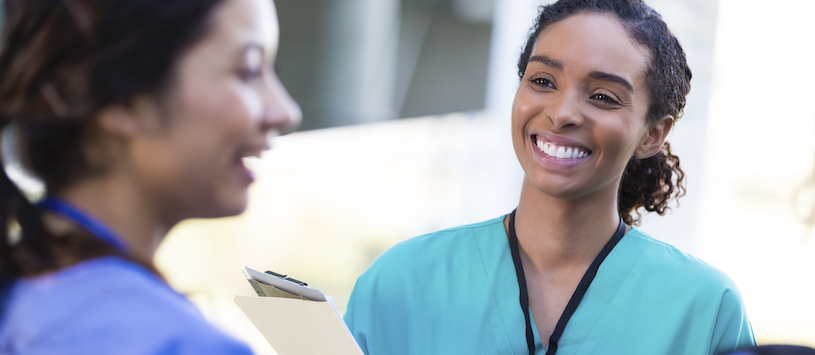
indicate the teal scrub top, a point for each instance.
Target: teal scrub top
{"x":455,"y":292}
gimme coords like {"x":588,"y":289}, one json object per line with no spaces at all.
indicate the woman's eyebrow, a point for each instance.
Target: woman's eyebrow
{"x":612,"y":78}
{"x":554,"y":63}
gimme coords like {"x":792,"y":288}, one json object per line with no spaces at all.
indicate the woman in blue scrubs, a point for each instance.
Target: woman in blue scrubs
{"x":601,"y":85}
{"x":135,"y":115}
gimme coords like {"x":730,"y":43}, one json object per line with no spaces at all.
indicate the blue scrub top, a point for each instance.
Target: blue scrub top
{"x":455,"y":292}
{"x":106,"y":306}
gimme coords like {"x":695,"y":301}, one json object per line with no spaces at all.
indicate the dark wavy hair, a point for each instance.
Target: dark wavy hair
{"x":61,"y":63}
{"x":650,"y":183}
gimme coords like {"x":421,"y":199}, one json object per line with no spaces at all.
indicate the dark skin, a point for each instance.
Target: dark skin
{"x":584,"y":89}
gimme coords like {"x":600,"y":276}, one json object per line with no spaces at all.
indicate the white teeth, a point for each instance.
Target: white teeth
{"x":561,"y":152}
{"x":250,"y":162}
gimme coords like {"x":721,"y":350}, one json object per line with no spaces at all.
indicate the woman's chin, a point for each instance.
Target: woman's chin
{"x":555,"y":188}
{"x":224,"y":207}
{"x":236,"y":207}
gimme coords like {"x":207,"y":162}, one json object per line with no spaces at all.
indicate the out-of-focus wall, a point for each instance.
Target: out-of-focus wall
{"x":361,"y":61}
{"x":759,"y":151}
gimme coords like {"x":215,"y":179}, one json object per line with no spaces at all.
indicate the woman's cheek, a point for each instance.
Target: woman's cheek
{"x":230,"y":113}
{"x":250,"y":104}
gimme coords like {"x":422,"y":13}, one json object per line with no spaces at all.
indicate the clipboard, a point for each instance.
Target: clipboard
{"x":296,"y":319}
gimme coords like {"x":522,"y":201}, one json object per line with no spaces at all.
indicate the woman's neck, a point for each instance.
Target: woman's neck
{"x":555,"y":233}
{"x":118,"y":204}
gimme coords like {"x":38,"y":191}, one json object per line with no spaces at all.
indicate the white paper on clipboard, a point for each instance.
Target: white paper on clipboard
{"x":295,"y":326}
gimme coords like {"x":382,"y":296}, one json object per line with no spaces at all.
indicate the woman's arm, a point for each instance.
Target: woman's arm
{"x":732,"y":329}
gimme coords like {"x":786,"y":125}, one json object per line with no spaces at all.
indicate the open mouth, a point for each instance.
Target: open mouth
{"x":560,"y":151}
{"x":251,"y":152}
{"x":247,"y":160}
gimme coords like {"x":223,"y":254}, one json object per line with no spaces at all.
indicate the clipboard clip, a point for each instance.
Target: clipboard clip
{"x":286,"y":277}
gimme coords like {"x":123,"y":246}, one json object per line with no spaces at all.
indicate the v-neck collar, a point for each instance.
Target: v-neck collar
{"x":509,"y":326}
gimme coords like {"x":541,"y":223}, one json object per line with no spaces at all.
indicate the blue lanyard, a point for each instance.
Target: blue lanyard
{"x":85,"y":220}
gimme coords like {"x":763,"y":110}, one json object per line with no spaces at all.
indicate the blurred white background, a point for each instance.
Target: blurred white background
{"x":329,"y":200}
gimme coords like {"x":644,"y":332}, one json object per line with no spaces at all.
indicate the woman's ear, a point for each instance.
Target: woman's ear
{"x":128,"y":120}
{"x":117,"y":120}
{"x":654,"y":138}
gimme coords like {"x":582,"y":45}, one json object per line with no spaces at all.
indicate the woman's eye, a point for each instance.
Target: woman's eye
{"x":253,"y":65}
{"x":604,"y":98}
{"x":542,"y":82}
{"x":249,"y":74}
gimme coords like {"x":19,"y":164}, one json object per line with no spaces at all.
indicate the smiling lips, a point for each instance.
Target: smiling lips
{"x":561,"y":151}
{"x":249,"y":153}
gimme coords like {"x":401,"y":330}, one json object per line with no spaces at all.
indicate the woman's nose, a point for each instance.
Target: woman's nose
{"x":562,"y":111}
{"x":282,"y":113}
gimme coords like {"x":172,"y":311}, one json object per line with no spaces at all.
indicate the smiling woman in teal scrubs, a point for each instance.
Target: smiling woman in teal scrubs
{"x":601,"y":84}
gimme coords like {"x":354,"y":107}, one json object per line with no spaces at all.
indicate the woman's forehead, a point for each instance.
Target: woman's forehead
{"x":593,"y":41}
{"x":243,"y":22}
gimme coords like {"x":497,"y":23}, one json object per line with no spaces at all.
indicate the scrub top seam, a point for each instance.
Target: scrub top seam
{"x":489,"y":282}
{"x":716,"y":320}
{"x":605,"y":311}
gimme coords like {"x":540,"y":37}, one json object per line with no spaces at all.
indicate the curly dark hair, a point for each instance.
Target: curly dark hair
{"x":650,"y":183}
{"x":62,"y":62}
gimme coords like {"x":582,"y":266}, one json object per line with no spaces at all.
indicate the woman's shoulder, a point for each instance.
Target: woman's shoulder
{"x":413,"y":278}
{"x":670,"y":284}
{"x":93,"y":285}
{"x":662,"y":260}
{"x":106,"y":303}
{"x":423,"y":256}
